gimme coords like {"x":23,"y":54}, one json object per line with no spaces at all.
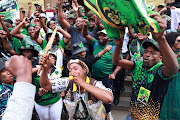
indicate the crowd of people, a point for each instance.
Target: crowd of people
{"x":35,"y":82}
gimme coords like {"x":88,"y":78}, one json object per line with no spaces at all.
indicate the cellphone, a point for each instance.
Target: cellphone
{"x":27,"y":20}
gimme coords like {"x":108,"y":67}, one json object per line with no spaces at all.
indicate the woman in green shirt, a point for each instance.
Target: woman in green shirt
{"x":48,"y":105}
{"x":171,"y":107}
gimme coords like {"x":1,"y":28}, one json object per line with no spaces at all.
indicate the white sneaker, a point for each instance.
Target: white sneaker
{"x":109,"y":116}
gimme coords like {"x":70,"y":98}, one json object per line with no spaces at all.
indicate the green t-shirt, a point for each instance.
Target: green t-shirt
{"x":61,"y":43}
{"x":104,"y":66}
{"x":48,"y":98}
{"x":16,"y":43}
{"x":28,"y":41}
{"x":176,"y":52}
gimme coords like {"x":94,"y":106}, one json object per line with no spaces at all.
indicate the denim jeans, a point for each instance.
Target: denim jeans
{"x":118,"y":83}
{"x":128,"y":117}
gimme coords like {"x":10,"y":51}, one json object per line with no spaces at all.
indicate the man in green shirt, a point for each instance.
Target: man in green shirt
{"x":151,"y":77}
{"x":33,"y":38}
{"x":102,"y":69}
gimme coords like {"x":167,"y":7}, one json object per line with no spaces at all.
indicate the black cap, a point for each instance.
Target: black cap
{"x":35,"y":52}
{"x":9,"y":21}
{"x":77,"y":48}
{"x":151,"y":42}
{"x":2,"y":64}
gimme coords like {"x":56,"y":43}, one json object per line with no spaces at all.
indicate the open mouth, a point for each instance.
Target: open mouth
{"x":11,"y":77}
{"x":146,"y":60}
{"x":77,"y":25}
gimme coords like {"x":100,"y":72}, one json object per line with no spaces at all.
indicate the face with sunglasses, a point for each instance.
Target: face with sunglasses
{"x":176,"y":45}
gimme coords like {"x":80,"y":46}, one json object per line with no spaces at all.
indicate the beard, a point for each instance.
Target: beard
{"x":146,"y":66}
{"x":103,"y":43}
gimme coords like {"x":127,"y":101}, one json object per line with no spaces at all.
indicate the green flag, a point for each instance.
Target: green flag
{"x":118,"y":14}
{"x":10,"y":9}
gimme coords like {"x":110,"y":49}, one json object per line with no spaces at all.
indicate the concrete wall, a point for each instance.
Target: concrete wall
{"x":169,"y":1}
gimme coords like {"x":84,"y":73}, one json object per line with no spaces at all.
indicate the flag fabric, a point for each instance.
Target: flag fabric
{"x":10,"y":9}
{"x":118,"y":14}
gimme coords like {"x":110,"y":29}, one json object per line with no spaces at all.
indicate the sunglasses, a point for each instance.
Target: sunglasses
{"x":178,"y":41}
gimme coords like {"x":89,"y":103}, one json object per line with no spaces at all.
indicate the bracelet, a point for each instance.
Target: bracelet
{"x":96,"y":56}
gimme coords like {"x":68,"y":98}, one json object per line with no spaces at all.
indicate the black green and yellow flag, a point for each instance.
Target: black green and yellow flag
{"x":117,"y":14}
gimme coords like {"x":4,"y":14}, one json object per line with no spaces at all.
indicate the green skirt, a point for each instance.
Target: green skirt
{"x":171,"y":106}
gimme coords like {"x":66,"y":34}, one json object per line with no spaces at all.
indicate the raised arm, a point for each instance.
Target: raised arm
{"x":85,"y":33}
{"x":36,"y":35}
{"x":65,"y":34}
{"x":22,"y":99}
{"x":98,"y":23}
{"x":75,"y":7}
{"x":21,"y":13}
{"x":15,"y":32}
{"x":44,"y":80}
{"x":6,"y":45}
{"x":117,"y":59}
{"x":169,"y":59}
{"x":29,"y":9}
{"x":65,"y":24}
{"x":5,"y":28}
{"x":41,"y":20}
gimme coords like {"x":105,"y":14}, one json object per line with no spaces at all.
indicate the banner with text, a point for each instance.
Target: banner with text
{"x":10,"y":9}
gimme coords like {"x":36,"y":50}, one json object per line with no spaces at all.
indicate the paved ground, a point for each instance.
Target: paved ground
{"x":119,"y":115}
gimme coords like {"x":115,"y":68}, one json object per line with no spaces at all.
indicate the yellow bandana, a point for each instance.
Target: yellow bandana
{"x":75,"y":87}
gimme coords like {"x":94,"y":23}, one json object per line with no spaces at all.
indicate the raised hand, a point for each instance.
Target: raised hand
{"x":84,"y":22}
{"x":53,"y":27}
{"x":2,"y":17}
{"x":75,"y":7}
{"x":37,"y":29}
{"x":21,"y":68}
{"x":30,"y":4}
{"x":17,"y":21}
{"x":21,"y":9}
{"x":162,"y":25}
{"x":37,"y":14}
{"x":118,"y":42}
{"x":60,"y":2}
{"x":25,"y":20}
{"x":43,"y":61}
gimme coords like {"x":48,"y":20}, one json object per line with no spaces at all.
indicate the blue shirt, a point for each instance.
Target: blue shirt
{"x":5,"y":93}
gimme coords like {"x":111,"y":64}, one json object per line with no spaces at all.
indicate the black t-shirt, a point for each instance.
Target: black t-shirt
{"x":77,"y":36}
{"x":151,"y":80}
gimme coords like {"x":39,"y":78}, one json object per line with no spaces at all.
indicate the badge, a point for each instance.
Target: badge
{"x":143,"y":95}
{"x":136,"y":56}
